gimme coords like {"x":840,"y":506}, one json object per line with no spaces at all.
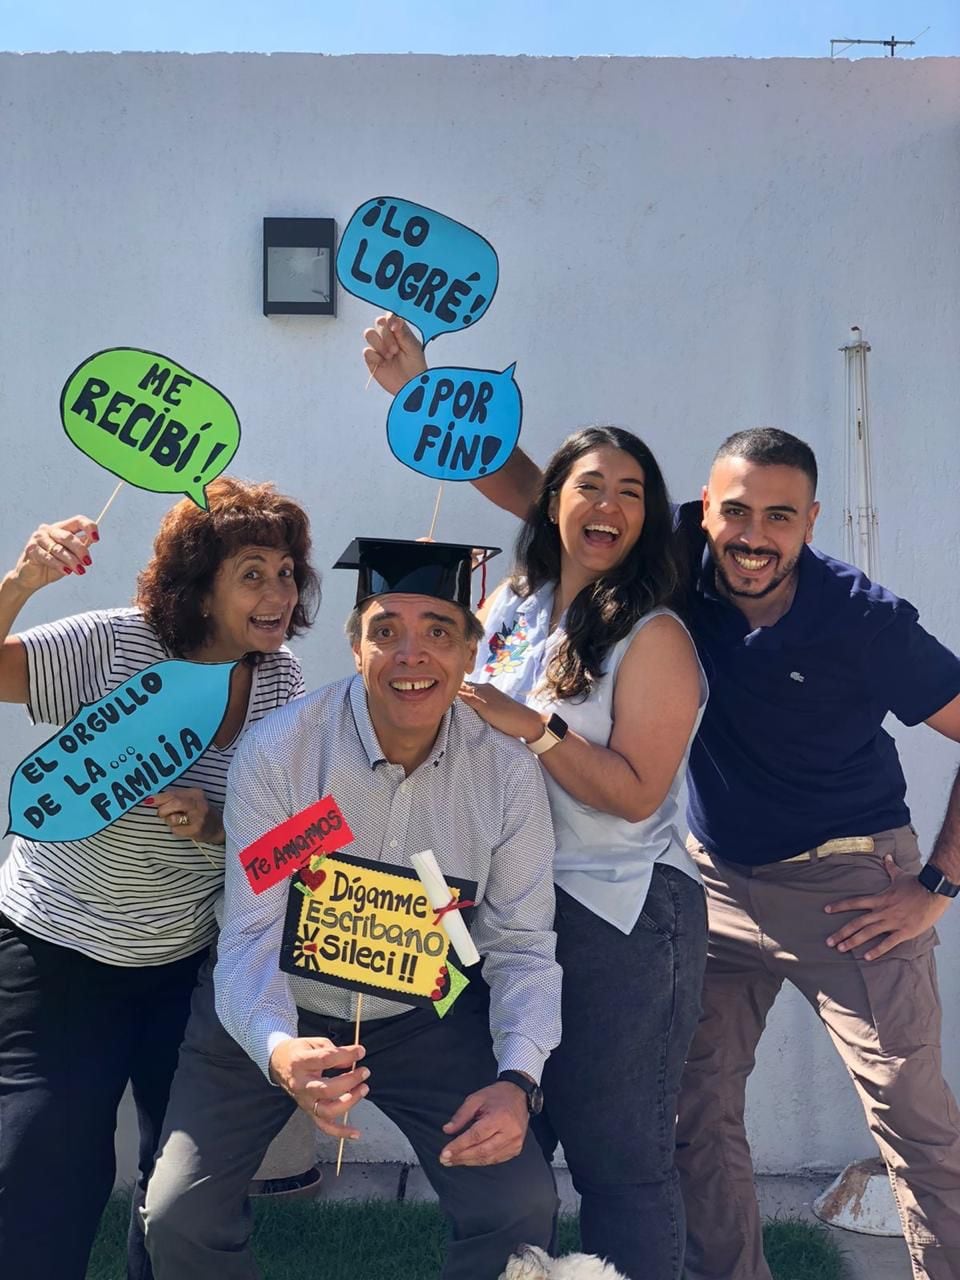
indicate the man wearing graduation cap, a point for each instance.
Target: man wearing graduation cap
{"x":411,"y":768}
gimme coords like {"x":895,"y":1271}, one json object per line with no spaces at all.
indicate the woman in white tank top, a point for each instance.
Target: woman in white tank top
{"x":584,"y":662}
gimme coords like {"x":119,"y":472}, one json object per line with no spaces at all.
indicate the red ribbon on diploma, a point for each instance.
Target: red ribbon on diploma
{"x":315,"y":831}
{"x":455,"y":904}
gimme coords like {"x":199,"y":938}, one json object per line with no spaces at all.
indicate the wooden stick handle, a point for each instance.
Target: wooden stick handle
{"x":356,"y":1040}
{"x":436,"y":512}
{"x":109,"y":502}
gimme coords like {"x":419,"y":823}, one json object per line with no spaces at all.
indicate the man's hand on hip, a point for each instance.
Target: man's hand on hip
{"x":497,"y":1117}
{"x":299,"y":1066}
{"x":903,"y":911}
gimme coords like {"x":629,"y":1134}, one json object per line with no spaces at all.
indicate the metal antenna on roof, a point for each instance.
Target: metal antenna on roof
{"x":892,"y":44}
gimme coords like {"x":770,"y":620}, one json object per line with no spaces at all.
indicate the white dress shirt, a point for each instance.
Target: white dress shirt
{"x":478,"y":801}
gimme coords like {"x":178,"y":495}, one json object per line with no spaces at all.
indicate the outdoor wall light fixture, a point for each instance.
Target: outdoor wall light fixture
{"x":298,"y":267}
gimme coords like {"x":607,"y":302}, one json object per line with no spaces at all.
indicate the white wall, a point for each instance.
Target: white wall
{"x":683,"y":247}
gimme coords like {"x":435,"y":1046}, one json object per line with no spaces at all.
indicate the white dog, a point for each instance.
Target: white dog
{"x":533,"y":1264}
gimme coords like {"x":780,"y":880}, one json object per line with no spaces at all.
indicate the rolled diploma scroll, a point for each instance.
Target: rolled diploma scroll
{"x":439,"y":895}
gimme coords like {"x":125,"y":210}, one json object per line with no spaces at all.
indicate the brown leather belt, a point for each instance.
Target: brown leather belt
{"x":842,"y":844}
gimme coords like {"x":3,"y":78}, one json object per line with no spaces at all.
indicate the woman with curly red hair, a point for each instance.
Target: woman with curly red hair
{"x":101,"y":939}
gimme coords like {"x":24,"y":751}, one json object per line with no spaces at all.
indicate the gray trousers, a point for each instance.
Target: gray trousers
{"x":767,"y":926}
{"x":223,"y":1114}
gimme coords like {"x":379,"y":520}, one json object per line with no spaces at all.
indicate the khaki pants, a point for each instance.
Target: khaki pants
{"x":767,"y":924}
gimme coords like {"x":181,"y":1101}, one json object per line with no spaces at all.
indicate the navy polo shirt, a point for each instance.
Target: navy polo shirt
{"x":791,"y":751}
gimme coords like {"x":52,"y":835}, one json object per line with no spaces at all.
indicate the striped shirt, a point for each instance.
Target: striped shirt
{"x":134,"y":893}
{"x":478,"y":801}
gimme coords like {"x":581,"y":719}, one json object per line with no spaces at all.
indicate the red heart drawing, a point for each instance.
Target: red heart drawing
{"x":312,"y":879}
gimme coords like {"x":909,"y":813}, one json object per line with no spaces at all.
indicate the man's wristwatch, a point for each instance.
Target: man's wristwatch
{"x":533,"y":1091}
{"x":555,"y":731}
{"x":937,"y":882}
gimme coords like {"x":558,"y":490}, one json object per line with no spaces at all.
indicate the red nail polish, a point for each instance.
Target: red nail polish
{"x":80,"y":569}
{"x":149,"y":800}
{"x":66,"y":570}
{"x":94,"y":536}
{"x":87,"y":560}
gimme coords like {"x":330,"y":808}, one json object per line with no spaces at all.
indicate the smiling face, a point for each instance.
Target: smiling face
{"x":413,"y":654}
{"x":250,"y":603}
{"x":599,"y":511}
{"x":757,"y":520}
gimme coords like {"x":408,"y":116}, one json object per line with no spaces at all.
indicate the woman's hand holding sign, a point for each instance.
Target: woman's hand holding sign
{"x":54,"y":550}
{"x":188,"y":813}
{"x":393,"y":353}
{"x":298,"y":1065}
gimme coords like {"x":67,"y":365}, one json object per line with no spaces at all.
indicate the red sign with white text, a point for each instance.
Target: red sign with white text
{"x":315,"y":831}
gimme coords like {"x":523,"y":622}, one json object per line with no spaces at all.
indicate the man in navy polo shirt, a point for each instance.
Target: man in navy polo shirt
{"x":801,"y":831}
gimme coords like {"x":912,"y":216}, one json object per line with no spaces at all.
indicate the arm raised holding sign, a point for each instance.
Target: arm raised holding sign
{"x":394,"y":355}
{"x":53,"y":551}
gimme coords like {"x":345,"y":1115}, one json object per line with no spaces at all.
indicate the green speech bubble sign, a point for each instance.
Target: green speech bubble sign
{"x":149,"y":421}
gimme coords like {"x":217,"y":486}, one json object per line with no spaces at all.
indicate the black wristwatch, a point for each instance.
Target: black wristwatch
{"x":937,"y":882}
{"x":533,"y":1091}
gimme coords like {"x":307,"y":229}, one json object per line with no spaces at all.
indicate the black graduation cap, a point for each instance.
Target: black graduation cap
{"x":385,"y":565}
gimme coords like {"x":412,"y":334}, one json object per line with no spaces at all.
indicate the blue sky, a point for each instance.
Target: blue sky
{"x":689,"y":28}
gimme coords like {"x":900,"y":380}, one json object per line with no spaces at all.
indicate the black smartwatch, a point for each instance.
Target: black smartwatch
{"x":937,"y":882}
{"x":533,"y":1091}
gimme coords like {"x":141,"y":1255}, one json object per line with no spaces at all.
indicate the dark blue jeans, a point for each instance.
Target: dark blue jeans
{"x":73,"y":1032}
{"x":630,"y":1007}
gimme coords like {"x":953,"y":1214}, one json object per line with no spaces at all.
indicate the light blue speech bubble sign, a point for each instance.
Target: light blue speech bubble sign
{"x":456,"y":424}
{"x":128,"y":745}
{"x":436,"y":273}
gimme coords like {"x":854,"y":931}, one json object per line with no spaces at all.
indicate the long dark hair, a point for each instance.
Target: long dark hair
{"x":608,"y":609}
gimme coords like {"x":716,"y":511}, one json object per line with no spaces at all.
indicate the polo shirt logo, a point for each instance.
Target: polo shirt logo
{"x":795,"y":675}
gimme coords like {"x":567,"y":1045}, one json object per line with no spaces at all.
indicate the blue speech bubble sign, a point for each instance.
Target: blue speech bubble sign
{"x":456,"y":424}
{"x":130,"y":744}
{"x":436,"y":273}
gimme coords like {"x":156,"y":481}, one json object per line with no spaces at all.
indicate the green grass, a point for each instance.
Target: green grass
{"x":383,"y":1240}
{"x":798,"y":1250}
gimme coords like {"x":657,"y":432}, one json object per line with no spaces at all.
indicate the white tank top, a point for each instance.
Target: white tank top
{"x":603,"y":861}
